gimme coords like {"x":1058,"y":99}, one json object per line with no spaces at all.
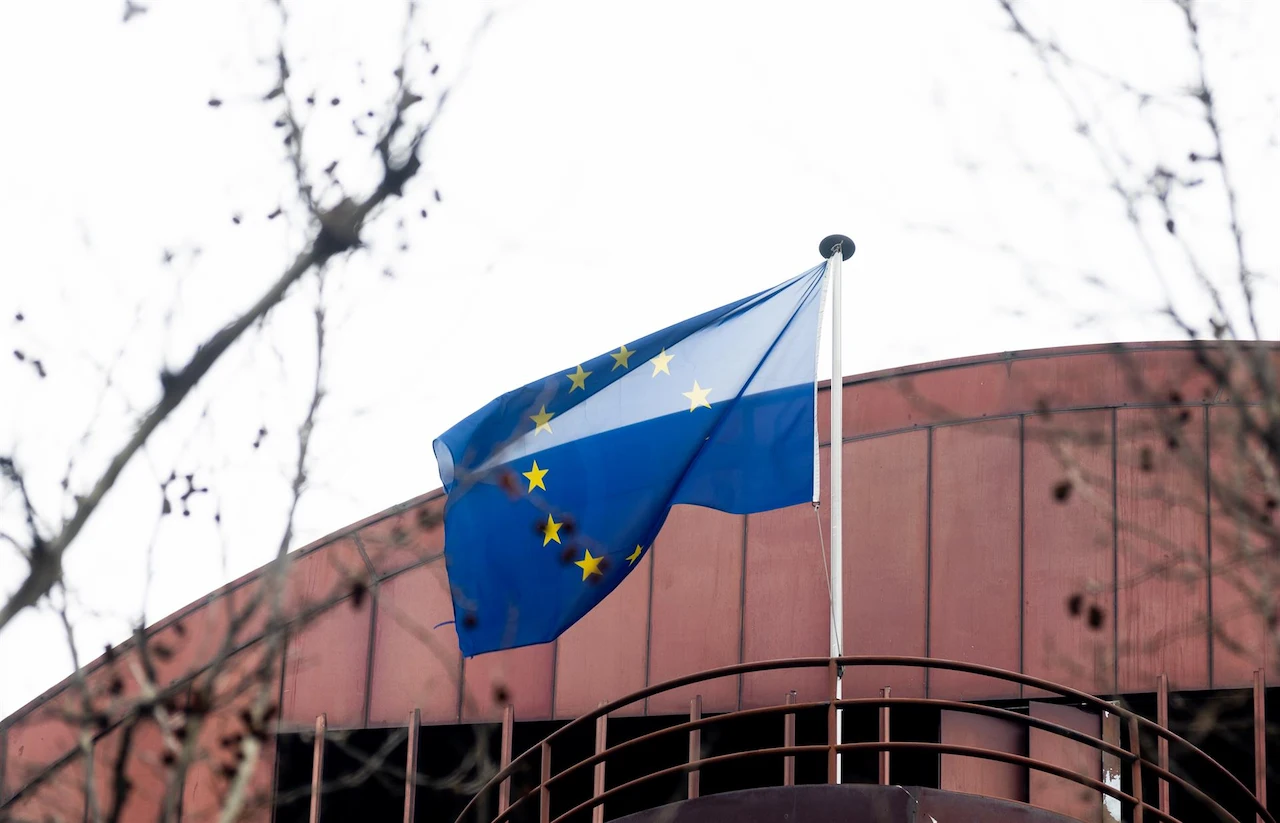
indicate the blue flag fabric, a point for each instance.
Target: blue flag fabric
{"x":557,"y":489}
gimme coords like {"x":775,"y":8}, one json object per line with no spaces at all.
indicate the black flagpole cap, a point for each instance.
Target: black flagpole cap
{"x":832,"y":242}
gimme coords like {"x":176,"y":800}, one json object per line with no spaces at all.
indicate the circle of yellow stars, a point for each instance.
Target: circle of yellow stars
{"x":590,"y":564}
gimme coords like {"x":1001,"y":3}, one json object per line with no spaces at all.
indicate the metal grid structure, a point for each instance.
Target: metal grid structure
{"x":1134,"y":756}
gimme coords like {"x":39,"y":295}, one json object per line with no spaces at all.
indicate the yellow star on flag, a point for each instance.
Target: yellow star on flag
{"x":578,"y":379}
{"x":535,"y":476}
{"x":621,"y":356}
{"x":543,"y":420}
{"x":551,"y":531}
{"x":660,"y":362}
{"x":697,"y":397}
{"x":589,"y":565}
{"x":635,"y":555}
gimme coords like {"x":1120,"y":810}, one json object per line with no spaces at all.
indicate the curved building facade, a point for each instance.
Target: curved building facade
{"x":1049,"y":513}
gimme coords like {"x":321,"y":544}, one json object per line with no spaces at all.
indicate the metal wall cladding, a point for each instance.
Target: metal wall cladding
{"x":991,"y":507}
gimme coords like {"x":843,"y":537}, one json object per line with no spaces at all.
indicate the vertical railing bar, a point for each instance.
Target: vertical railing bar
{"x":504,"y":755}
{"x":1135,"y":748}
{"x":695,"y":746}
{"x":411,"y":767}
{"x":833,"y":685}
{"x":1162,"y":745}
{"x":544,"y":792}
{"x":1109,"y":727}
{"x":602,"y":734}
{"x":788,"y":740}
{"x":884,"y":738}
{"x":1260,"y":738}
{"x":317,"y":767}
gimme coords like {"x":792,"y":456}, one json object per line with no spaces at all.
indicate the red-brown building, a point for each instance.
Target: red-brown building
{"x":1026,"y":511}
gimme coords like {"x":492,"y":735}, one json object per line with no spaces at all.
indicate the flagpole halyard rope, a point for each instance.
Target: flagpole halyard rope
{"x":826,"y":574}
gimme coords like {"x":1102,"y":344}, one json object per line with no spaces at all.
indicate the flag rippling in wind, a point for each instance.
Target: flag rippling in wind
{"x":557,"y":489}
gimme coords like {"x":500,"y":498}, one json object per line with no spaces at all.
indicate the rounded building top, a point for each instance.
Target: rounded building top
{"x":1005,"y":510}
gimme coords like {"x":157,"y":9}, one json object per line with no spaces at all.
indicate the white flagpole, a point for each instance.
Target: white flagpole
{"x":837,"y":248}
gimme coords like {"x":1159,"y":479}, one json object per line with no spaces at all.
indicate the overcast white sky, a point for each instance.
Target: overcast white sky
{"x":605,"y":169}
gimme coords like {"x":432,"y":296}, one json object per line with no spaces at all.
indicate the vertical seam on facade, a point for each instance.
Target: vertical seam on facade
{"x":284,"y":661}
{"x":1022,"y":548}
{"x":462,"y":684}
{"x":648,"y":631}
{"x":364,"y":555}
{"x":373,"y":634}
{"x":1115,"y":550}
{"x":373,"y":625}
{"x":1208,"y":545}
{"x":275,"y":773}
{"x":928,"y":552}
{"x":555,"y":668}
{"x":742,"y":610}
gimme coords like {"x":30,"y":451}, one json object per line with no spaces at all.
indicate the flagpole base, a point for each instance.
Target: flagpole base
{"x":831,"y":242}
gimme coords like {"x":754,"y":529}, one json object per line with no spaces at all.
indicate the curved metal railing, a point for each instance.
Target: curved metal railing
{"x":1132,"y":755}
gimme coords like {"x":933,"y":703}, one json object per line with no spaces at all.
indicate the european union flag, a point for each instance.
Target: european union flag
{"x":557,"y":489}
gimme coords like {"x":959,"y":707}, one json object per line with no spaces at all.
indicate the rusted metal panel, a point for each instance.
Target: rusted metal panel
{"x":404,"y":538}
{"x":1136,"y":376}
{"x":994,"y":385}
{"x":206,"y":788}
{"x":1068,"y":550}
{"x":1162,"y":591}
{"x":521,"y":677}
{"x":603,"y":655}
{"x":61,"y":797}
{"x":885,"y":559}
{"x":919,"y":400}
{"x":1241,"y":559}
{"x":974,"y":612}
{"x":824,"y":412}
{"x":326,"y":667}
{"x":321,"y":577}
{"x":220,"y":740}
{"x":326,"y":662}
{"x":696,"y":609}
{"x":143,"y":770}
{"x":180,"y":649}
{"x":977,"y":776}
{"x":416,"y":662}
{"x":786,"y":609}
{"x":38,"y":741}
{"x":1057,"y":793}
